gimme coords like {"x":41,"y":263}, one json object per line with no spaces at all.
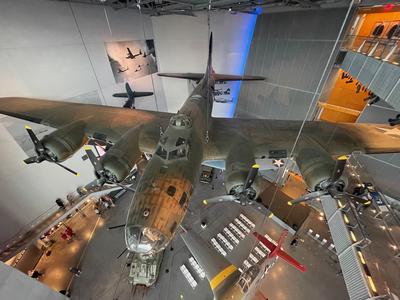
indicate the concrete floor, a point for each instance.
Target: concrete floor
{"x":65,"y":254}
{"x":105,"y":277}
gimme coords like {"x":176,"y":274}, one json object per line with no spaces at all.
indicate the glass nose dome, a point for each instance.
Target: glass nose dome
{"x":144,"y":240}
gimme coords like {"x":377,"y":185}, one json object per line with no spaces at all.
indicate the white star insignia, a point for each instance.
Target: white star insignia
{"x":278,"y":162}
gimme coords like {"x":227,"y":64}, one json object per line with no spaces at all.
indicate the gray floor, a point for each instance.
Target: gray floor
{"x":105,"y":277}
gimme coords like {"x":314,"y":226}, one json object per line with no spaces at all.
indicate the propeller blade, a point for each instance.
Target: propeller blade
{"x":93,"y":186}
{"x":224,"y":198}
{"x":339,"y":168}
{"x":36,"y":142}
{"x":31,"y":160}
{"x":32,"y":135}
{"x":66,"y":168}
{"x":308,"y":197}
{"x":357,"y":199}
{"x":125,"y":187}
{"x":251,"y":176}
{"x":93,"y":159}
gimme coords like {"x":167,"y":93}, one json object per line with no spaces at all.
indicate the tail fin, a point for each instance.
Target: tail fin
{"x":209,"y":69}
{"x":277,"y":251}
{"x":210,"y":72}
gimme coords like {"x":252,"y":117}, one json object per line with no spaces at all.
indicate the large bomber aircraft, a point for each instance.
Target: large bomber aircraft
{"x":181,"y":142}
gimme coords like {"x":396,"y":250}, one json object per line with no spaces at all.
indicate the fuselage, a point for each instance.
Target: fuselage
{"x":165,"y":189}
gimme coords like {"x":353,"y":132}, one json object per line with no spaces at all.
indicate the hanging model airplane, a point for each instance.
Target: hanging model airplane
{"x":131,"y":95}
{"x":227,"y":282}
{"x":130,"y":55}
{"x":181,"y":141}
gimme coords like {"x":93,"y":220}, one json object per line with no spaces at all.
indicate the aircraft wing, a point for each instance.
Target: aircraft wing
{"x":276,"y":250}
{"x":220,"y":273}
{"x":104,"y":121}
{"x":282,"y":254}
{"x":272,"y":136}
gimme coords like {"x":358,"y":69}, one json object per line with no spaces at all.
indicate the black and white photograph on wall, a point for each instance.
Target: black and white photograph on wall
{"x":131,"y":59}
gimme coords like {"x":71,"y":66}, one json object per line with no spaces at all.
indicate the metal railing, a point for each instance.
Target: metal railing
{"x":345,"y":243}
{"x":379,"y":48}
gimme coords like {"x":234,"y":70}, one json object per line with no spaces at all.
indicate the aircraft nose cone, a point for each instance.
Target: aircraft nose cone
{"x":145,"y":240}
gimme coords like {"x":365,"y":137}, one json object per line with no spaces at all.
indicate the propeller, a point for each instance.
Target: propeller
{"x":42,"y":154}
{"x":244,"y":196}
{"x":103,"y":175}
{"x":333,"y":186}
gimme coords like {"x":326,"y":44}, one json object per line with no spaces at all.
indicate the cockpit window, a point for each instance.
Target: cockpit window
{"x":178,"y":153}
{"x":161,"y":152}
{"x":144,"y":239}
{"x":171,"y":190}
{"x":180,"y":141}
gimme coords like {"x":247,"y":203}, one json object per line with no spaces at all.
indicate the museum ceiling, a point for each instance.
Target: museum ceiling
{"x":190,"y":7}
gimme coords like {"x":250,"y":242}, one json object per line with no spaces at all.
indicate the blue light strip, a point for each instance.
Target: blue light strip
{"x":239,"y":66}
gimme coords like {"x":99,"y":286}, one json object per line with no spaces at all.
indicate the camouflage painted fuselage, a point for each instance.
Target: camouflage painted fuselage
{"x":165,"y":189}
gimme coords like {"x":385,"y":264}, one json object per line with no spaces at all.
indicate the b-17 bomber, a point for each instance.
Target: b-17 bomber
{"x":181,"y":142}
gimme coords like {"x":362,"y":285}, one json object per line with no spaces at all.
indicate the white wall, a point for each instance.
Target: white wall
{"x":182,"y":46}
{"x":42,"y":54}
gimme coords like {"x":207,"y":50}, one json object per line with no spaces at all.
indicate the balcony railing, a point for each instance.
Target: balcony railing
{"x":379,"y":48}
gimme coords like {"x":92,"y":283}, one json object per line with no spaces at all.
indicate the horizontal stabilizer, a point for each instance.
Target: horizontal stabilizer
{"x":216,"y":77}
{"x":190,"y":76}
{"x":120,"y":95}
{"x":137,"y":94}
{"x":143,"y":94}
{"x":226,"y":77}
{"x":277,"y":251}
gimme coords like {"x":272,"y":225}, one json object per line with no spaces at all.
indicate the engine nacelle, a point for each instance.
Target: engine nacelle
{"x":120,"y":158}
{"x":64,"y":142}
{"x":237,"y":167}
{"x":315,"y":165}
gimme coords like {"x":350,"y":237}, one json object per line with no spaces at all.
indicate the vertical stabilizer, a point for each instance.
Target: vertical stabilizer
{"x":209,"y":69}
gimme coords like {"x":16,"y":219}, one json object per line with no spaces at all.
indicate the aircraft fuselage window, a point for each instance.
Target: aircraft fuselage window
{"x":178,"y":153}
{"x":180,"y":141}
{"x":161,"y":152}
{"x":171,"y":190}
{"x":183,"y":199}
